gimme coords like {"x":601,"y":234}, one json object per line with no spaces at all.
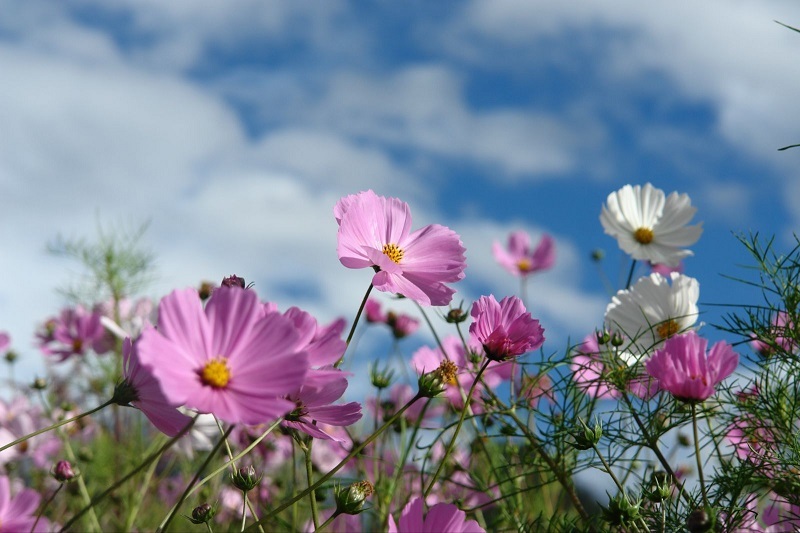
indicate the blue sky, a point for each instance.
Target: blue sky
{"x":234,"y":127}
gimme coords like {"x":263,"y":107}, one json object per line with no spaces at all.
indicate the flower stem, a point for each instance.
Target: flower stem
{"x":630,"y":274}
{"x":698,"y":457}
{"x":297,"y":497}
{"x":55,"y":426}
{"x":458,"y":428}
{"x":149,"y":459}
{"x":355,"y":323}
{"x":312,"y":497}
{"x":49,"y":500}
{"x":165,"y":523}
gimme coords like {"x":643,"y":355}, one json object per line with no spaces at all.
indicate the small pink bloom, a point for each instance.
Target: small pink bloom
{"x":779,"y":336}
{"x":505,"y":330}
{"x":314,"y":403}
{"x":323,"y":344}
{"x":427,"y":359}
{"x":590,"y":367}
{"x":684,"y":370}
{"x":402,"y":325}
{"x":666,"y":270}
{"x":75,"y":332}
{"x":229,"y":359}
{"x":5,"y":341}
{"x":146,"y":394}
{"x":372,"y":310}
{"x":520,"y":260}
{"x":441,"y":518}
{"x":375,"y":232}
{"x":18,"y":513}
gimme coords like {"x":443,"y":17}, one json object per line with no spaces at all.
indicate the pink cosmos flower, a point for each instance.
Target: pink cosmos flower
{"x":229,"y":359}
{"x":5,"y":341}
{"x":373,"y":312}
{"x":145,"y":393}
{"x":520,"y":260}
{"x":75,"y":332}
{"x":314,"y":403}
{"x":666,"y":270}
{"x":426,"y":359}
{"x":591,"y":366}
{"x":18,"y":513}
{"x":375,"y":231}
{"x":684,"y":370}
{"x":505,"y":330}
{"x":441,"y":518}
{"x":323,"y":344}
{"x":18,"y":418}
{"x":778,"y":337}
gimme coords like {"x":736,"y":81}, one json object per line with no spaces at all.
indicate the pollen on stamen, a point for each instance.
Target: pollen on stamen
{"x":215,"y":373}
{"x":643,"y":235}
{"x":524,"y":265}
{"x":667,"y":329}
{"x":393,"y":252}
{"x":447,"y":371}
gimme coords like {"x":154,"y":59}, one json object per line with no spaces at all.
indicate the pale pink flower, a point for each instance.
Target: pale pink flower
{"x":441,"y":518}
{"x":505,"y":330}
{"x":591,"y":366}
{"x":375,"y":232}
{"x":666,"y":270}
{"x":18,"y":513}
{"x":427,"y":359}
{"x":779,"y":336}
{"x":75,"y":332}
{"x":323,"y":344}
{"x":684,"y":370}
{"x":5,"y":341}
{"x":373,"y":312}
{"x":520,"y":259}
{"x":229,"y":359}
{"x":143,"y":391}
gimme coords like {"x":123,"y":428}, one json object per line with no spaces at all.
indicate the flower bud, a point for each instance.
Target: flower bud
{"x":63,"y":471}
{"x":245,"y":478}
{"x":233,"y":281}
{"x":39,"y":384}
{"x":700,"y":521}
{"x":380,"y":378}
{"x":456,"y":316}
{"x":617,"y":340}
{"x":431,"y":384}
{"x":351,"y":500}
{"x":621,"y":510}
{"x":205,"y":290}
{"x":603,"y":337}
{"x":203,"y":513}
{"x":660,"y":487}
{"x":586,"y":437}
{"x":598,"y":254}
{"x":11,"y":356}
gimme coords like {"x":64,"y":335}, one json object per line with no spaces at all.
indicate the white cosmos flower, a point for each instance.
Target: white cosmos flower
{"x":652,"y":311}
{"x":650,"y":226}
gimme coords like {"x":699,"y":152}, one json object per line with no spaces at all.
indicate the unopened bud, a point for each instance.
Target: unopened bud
{"x":621,"y":510}
{"x":598,"y":254}
{"x":245,"y":478}
{"x":617,"y":340}
{"x":233,"y":281}
{"x":456,"y":316}
{"x":660,"y":487}
{"x":39,"y":384}
{"x":434,"y":383}
{"x":351,"y":500}
{"x":203,"y":513}
{"x":700,"y":521}
{"x":11,"y":356}
{"x":380,"y":378}
{"x":603,"y":337}
{"x":587,"y":437}
{"x":63,"y":471}
{"x":205,"y":290}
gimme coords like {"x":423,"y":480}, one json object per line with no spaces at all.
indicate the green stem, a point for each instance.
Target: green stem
{"x":630,"y":274}
{"x":450,"y":446}
{"x":165,"y":523}
{"x":312,"y":497}
{"x":698,"y":457}
{"x":342,"y":463}
{"x":55,"y":426}
{"x":152,"y":457}
{"x":327,"y":522}
{"x":355,"y":323}
{"x":48,"y":502}
{"x":139,"y":497}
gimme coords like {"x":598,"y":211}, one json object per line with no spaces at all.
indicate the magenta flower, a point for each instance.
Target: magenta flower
{"x":520,"y":260}
{"x":373,"y":313}
{"x":229,"y":359}
{"x":375,"y":231}
{"x":684,"y":370}
{"x":314,"y":403}
{"x":505,"y":330}
{"x":323,"y":344}
{"x":143,"y":391}
{"x":427,"y":359}
{"x":441,"y":518}
{"x":18,"y":513}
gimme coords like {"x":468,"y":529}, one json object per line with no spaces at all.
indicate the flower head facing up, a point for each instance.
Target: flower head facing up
{"x":441,"y":518}
{"x":653,"y":310}
{"x":684,"y":370}
{"x":375,"y":231}
{"x":649,"y":225}
{"x":505,"y":330}
{"x":520,"y":259}
{"x":230,"y":359}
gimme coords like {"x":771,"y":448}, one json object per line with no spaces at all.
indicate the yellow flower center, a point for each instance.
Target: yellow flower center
{"x":524,"y":264}
{"x":393,"y":252}
{"x":215,"y":373}
{"x":643,"y":235}
{"x":667,"y":329}
{"x":447,"y":371}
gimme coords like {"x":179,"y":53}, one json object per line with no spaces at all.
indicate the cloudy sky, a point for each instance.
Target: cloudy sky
{"x":233,"y":128}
